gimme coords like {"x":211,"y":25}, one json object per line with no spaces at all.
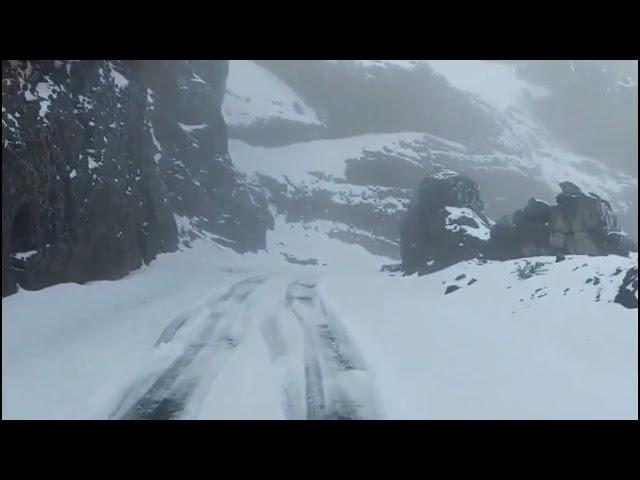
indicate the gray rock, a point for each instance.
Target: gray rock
{"x":451,"y":289}
{"x":96,"y":163}
{"x":580,"y":223}
{"x":432,"y":237}
{"x":627,"y":295}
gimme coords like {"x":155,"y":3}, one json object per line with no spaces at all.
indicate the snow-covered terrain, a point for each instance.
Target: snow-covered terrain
{"x":208,"y":333}
{"x":311,"y":327}
{"x":254,"y":94}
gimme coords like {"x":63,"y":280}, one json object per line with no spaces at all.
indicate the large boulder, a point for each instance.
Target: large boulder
{"x":580,"y":223}
{"x":525,"y":233}
{"x":444,"y":224}
{"x":584,"y":224}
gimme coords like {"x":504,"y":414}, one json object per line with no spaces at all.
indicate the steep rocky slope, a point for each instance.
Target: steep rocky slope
{"x":478,"y":123}
{"x":99,"y":160}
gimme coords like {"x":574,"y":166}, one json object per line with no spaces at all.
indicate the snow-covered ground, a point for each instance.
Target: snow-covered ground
{"x":254,"y":94}
{"x":207,"y":333}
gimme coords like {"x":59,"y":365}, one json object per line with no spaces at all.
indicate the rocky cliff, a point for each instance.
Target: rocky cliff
{"x":101,"y":158}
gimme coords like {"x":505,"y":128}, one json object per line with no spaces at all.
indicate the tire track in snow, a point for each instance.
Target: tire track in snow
{"x":337,"y":383}
{"x":168,"y":395}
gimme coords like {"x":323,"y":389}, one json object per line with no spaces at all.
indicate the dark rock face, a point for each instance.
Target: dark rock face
{"x":585,"y":224}
{"x":525,"y":233}
{"x":75,"y":151}
{"x":96,"y":163}
{"x":276,"y":132}
{"x":451,"y":289}
{"x":191,"y":137}
{"x":628,"y":292}
{"x":580,"y":223}
{"x":444,"y":224}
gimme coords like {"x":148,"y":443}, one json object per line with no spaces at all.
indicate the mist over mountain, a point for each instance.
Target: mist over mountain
{"x":592,"y":106}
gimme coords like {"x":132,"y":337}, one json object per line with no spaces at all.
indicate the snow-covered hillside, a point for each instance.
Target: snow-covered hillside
{"x":208,"y":333}
{"x":261,"y":109}
{"x":496,"y":84}
{"x":254,"y":94}
{"x":363,"y":183}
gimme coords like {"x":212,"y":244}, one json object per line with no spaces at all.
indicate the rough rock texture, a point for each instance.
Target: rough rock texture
{"x":191,"y":146}
{"x":580,"y":223}
{"x":444,"y":224}
{"x":525,"y":233}
{"x":584,"y":223}
{"x":95,"y":164}
{"x":628,"y":292}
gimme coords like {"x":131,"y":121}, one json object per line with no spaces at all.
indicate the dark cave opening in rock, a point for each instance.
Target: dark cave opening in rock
{"x":21,"y":236}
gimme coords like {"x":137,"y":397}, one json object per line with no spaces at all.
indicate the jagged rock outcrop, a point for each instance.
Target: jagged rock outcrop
{"x":444,"y":224}
{"x":580,"y":223}
{"x":190,"y":136}
{"x":627,"y":295}
{"x":99,"y":157}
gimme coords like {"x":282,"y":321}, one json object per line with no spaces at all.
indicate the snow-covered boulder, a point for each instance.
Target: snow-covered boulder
{"x":444,"y":224}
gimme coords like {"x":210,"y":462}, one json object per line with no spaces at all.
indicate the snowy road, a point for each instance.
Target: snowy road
{"x":200,"y":335}
{"x":329,"y":380}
